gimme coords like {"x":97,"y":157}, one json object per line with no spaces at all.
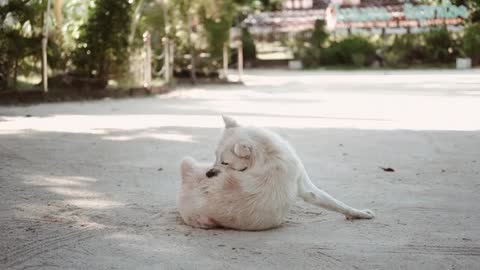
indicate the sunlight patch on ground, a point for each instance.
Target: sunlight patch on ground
{"x":74,"y":189}
{"x":70,"y":192}
{"x":159,"y":136}
{"x":39,"y":180}
{"x":93,"y":203}
{"x":380,"y":100}
{"x":341,"y":111}
{"x":124,"y":236}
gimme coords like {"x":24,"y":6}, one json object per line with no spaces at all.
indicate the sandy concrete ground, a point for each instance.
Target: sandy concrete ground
{"x":92,"y":185}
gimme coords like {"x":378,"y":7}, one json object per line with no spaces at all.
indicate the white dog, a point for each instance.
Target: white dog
{"x":255,"y":179}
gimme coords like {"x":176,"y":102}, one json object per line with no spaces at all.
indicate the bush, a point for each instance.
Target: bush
{"x":308,"y":48}
{"x":355,"y":50}
{"x":405,"y":50}
{"x":440,"y":47}
{"x":471,"y":42}
{"x":310,"y":57}
{"x":437,"y":46}
{"x":315,"y":50}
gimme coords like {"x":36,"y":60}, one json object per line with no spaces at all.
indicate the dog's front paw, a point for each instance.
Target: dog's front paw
{"x":361,"y":214}
{"x":188,"y":161}
{"x":187,"y":165}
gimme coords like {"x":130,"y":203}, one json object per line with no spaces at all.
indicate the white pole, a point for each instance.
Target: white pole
{"x":240,"y":62}
{"x":44,"y":48}
{"x":166,"y":60}
{"x":147,"y":69}
{"x":225,"y":61}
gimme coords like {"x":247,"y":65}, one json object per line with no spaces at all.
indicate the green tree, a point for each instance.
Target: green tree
{"x":20,"y":34}
{"x":217,"y":26}
{"x":473,"y":6}
{"x":203,"y":25}
{"x":319,"y":35}
{"x":75,"y":14}
{"x":102,"y":48}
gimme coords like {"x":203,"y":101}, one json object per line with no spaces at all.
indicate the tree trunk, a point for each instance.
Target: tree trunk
{"x":44,"y":48}
{"x":136,"y":18}
{"x":193,"y":75}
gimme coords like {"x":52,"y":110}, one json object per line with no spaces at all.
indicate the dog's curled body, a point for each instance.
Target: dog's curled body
{"x":255,"y":179}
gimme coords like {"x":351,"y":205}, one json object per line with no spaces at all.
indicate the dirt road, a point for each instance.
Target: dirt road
{"x":92,"y":185}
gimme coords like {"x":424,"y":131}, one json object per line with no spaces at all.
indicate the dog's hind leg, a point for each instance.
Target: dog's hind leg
{"x":312,"y":194}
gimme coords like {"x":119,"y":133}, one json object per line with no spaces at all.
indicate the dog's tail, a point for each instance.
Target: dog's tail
{"x":312,"y":194}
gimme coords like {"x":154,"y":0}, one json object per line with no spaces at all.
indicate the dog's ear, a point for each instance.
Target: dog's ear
{"x":242,"y":150}
{"x":229,"y":122}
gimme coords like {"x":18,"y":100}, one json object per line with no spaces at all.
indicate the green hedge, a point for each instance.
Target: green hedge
{"x":353,"y":51}
{"x":437,"y":47}
{"x":471,"y":42}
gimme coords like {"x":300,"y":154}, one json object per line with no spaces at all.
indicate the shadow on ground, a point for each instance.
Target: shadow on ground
{"x":93,"y":185}
{"x":82,"y":200}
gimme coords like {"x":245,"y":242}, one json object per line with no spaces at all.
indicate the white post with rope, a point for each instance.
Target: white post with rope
{"x":225,"y":62}
{"x":240,"y":62}
{"x":147,"y":60}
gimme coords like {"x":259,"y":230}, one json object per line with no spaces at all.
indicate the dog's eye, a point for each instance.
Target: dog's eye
{"x":224,"y":163}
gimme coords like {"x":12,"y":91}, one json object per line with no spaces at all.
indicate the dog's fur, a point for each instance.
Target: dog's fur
{"x":255,"y":179}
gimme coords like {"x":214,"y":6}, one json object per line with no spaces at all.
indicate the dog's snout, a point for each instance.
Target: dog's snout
{"x":212,"y":172}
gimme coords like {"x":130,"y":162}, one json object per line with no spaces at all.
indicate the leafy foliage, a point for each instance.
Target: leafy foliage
{"x":437,"y":46}
{"x":317,"y":50}
{"x":20,"y":36}
{"x":440,"y":46}
{"x":473,"y":6}
{"x":355,"y":50}
{"x":319,"y":35}
{"x":471,"y":42}
{"x":217,"y":33}
{"x":249,"y":49}
{"x":309,"y":46}
{"x":405,"y":50}
{"x":102,"y":47}
{"x":271,"y":5}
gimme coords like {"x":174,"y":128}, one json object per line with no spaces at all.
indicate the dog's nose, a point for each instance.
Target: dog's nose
{"x":212,"y":172}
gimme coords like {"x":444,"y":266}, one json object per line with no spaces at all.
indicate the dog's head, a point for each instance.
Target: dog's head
{"x":239,"y":149}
